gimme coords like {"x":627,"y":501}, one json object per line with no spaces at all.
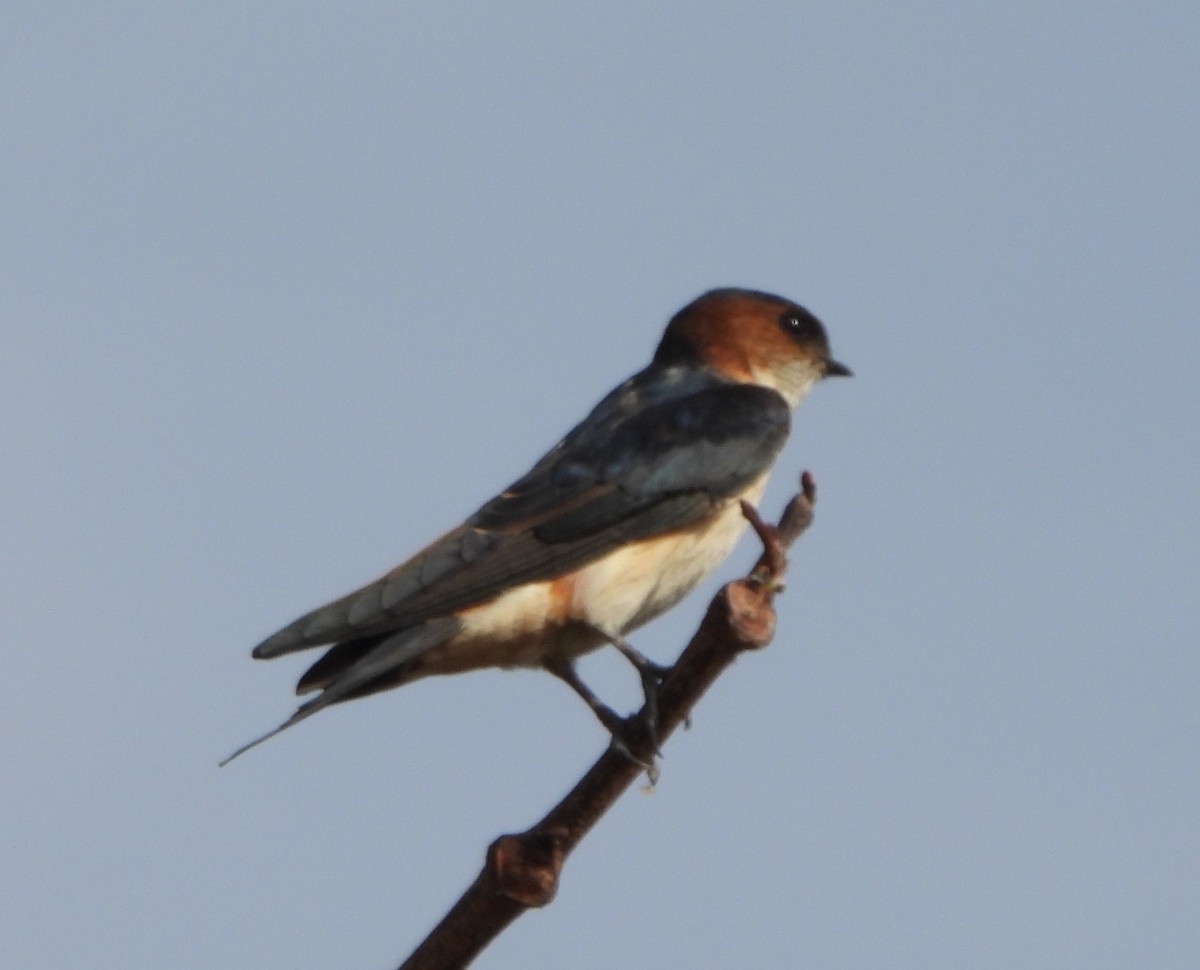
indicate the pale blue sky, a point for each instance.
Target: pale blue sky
{"x":288,"y":291}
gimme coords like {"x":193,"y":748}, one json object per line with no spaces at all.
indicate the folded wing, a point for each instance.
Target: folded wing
{"x":641,"y":465}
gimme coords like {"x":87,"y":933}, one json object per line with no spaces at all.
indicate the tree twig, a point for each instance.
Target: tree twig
{"x":521,"y":871}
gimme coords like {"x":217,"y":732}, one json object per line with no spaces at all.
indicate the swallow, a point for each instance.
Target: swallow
{"x":613,"y":526}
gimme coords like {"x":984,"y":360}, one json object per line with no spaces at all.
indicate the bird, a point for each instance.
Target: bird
{"x":609,"y":529}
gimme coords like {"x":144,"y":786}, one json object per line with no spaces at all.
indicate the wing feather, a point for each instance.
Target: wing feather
{"x":641,"y":465}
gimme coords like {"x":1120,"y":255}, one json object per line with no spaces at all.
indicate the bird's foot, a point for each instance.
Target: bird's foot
{"x":631,"y":731}
{"x":639,"y":731}
{"x":644,"y":724}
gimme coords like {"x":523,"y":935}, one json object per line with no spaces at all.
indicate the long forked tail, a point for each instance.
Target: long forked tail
{"x":382,"y":663}
{"x":303,"y":711}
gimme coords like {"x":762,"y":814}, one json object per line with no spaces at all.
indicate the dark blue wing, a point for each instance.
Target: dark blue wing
{"x":709,"y":444}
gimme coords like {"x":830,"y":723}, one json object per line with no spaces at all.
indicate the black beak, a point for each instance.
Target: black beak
{"x":834,"y":369}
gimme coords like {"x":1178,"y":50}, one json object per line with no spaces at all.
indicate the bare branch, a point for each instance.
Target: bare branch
{"x":521,"y":870}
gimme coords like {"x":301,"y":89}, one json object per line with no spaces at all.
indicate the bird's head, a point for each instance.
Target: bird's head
{"x":753,"y":338}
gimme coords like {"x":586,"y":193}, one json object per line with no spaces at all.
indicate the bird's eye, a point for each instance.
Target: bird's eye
{"x":798,"y":323}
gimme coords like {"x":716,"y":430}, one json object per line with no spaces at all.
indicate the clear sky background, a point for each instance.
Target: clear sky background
{"x":286,"y":291}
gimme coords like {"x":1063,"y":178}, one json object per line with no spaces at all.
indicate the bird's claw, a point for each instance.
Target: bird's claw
{"x":621,"y":747}
{"x":635,"y":731}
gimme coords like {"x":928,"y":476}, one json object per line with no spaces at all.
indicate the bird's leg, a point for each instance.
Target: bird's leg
{"x":645,"y":666}
{"x":564,"y":670}
{"x":651,"y":674}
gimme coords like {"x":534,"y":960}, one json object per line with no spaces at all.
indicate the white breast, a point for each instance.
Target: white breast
{"x":635,"y":584}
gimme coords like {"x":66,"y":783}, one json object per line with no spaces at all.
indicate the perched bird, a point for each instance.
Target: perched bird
{"x":619,"y":520}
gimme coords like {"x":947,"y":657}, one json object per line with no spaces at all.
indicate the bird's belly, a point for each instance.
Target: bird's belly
{"x":634,"y":584}
{"x":615,"y":594}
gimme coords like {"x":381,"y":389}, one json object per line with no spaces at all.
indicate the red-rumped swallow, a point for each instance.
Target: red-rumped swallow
{"x":619,"y":520}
